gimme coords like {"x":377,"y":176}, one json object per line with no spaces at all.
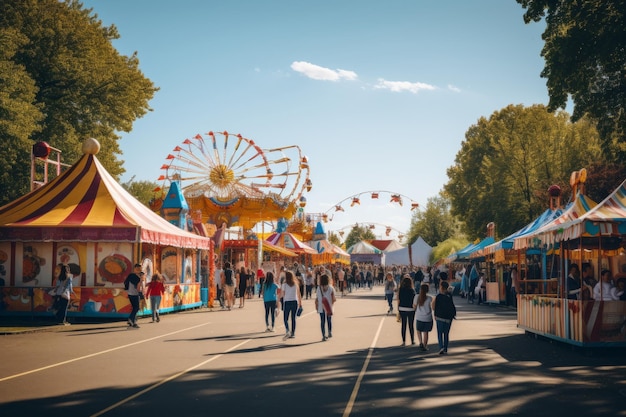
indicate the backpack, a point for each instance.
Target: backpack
{"x":229,"y":277}
{"x":445,"y":307}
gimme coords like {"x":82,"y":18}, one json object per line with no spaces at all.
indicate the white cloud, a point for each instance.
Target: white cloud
{"x":320,"y":73}
{"x":453,"y":88}
{"x":399,"y":86}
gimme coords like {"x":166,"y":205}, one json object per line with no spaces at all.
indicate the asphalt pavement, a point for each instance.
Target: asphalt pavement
{"x":216,"y":362}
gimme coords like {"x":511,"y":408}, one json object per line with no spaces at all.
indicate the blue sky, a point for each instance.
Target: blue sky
{"x":378,"y":95}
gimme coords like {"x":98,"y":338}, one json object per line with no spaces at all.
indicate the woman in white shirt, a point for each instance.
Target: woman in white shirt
{"x":423,"y":316}
{"x":292,"y":301}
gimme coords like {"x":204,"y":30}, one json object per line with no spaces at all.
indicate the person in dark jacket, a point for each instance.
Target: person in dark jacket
{"x":445,"y":312}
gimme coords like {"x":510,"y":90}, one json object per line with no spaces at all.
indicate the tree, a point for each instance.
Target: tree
{"x":69,"y":84}
{"x":585,"y":55}
{"x":141,"y":190}
{"x":357,"y":234}
{"x":434,"y":224}
{"x":20,"y":116}
{"x":508,"y":161}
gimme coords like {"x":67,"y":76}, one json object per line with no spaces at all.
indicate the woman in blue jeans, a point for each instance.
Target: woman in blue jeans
{"x":390,"y":289}
{"x":445,"y":312}
{"x":292,"y":301}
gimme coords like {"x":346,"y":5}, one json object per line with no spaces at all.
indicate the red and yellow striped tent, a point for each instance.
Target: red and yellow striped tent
{"x":85,"y":204}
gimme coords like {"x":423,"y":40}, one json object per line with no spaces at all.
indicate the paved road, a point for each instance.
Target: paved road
{"x":204,"y":362}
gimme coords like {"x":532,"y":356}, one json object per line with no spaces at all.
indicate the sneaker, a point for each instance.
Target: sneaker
{"x":324,"y":338}
{"x":158,"y":319}
{"x":272,"y":330}
{"x":442,"y":352}
{"x":65,"y":323}
{"x":286,"y":336}
{"x":412,"y":342}
{"x":135,"y":326}
{"x":330,"y":335}
{"x":292,"y":336}
{"x":403,"y":344}
{"x":130,"y":323}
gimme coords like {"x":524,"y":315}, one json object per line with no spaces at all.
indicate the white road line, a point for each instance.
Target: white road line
{"x":168,"y":379}
{"x":54,"y":365}
{"x":357,"y":385}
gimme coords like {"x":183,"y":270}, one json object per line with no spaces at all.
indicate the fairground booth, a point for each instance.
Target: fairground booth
{"x":583,"y":311}
{"x":84,"y":219}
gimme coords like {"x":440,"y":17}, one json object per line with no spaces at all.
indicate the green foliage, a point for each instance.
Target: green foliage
{"x":141,"y":190}
{"x":585,"y":55}
{"x":357,"y":234}
{"x":447,"y":247}
{"x":507,"y":162}
{"x":434,"y":224}
{"x":61,"y":81}
{"x":334,"y":239}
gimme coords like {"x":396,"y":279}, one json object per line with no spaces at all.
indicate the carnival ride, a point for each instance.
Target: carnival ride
{"x":229,"y":179}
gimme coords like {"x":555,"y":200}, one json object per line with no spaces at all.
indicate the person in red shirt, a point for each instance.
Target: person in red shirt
{"x":155,"y":291}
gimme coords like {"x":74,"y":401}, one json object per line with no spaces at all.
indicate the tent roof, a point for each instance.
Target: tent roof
{"x":289,"y":241}
{"x":507,"y":243}
{"x":465,"y":253}
{"x":85,"y":203}
{"x":363,"y":247}
{"x":386,"y":245}
{"x":604,"y":219}
{"x":418,"y":254}
{"x":573,"y":211}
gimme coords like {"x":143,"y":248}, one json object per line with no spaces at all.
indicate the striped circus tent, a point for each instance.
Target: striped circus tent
{"x":606,"y":219}
{"x":85,"y":204}
{"x":581,"y":205}
{"x":289,"y":241}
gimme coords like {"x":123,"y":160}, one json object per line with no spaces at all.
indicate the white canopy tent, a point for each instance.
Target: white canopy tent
{"x":417,"y":254}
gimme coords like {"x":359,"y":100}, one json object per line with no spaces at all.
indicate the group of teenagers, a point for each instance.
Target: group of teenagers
{"x":416,"y":310}
{"x":284,"y":293}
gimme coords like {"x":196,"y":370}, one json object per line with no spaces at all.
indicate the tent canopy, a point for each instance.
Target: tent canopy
{"x":363,"y":247}
{"x":416,"y":254}
{"x":289,"y":241}
{"x":85,"y":203}
{"x":608,"y":218}
{"x":573,"y":211}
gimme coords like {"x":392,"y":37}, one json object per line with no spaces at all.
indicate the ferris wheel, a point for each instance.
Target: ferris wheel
{"x":227,"y":168}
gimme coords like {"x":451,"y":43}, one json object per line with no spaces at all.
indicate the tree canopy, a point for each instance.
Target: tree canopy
{"x":357,"y":234}
{"x":62,"y":81}
{"x":585,"y":55}
{"x":435,"y":223}
{"x":507,"y":162}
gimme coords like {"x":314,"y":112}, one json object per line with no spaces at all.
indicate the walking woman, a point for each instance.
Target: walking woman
{"x":155,"y":290}
{"x":390,"y":290}
{"x":270,"y":290}
{"x":242,"y":281}
{"x":445,"y":312}
{"x":406,"y":294}
{"x":423,"y":316}
{"x":62,"y":291}
{"x":324,"y":301}
{"x":292,"y":301}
